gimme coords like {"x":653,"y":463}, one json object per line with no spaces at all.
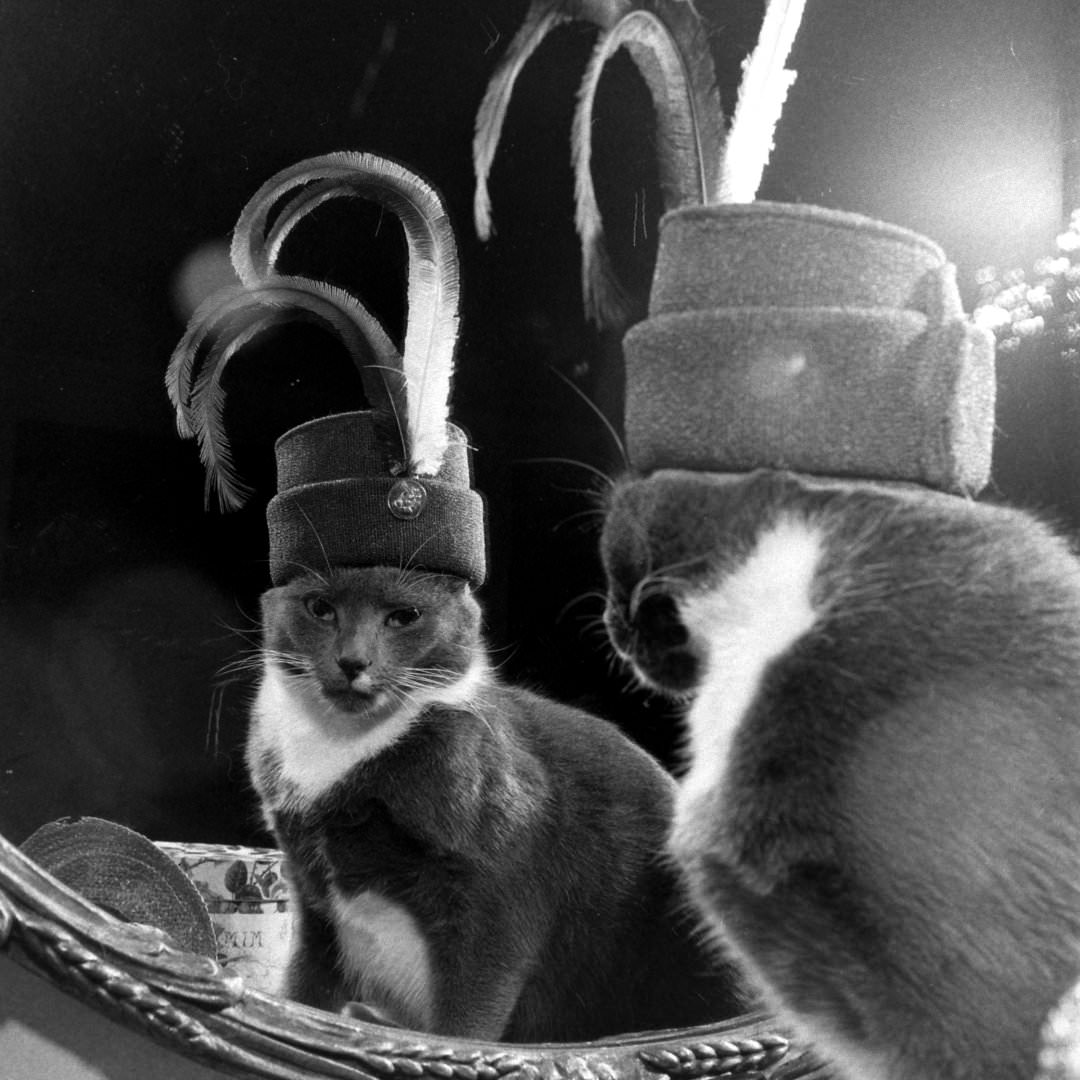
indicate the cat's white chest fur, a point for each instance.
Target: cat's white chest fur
{"x":385,"y":956}
{"x":740,"y":624}
{"x":316,"y":745}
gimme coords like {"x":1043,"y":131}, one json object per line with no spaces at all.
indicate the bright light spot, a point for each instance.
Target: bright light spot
{"x":991,"y":316}
{"x":777,"y":365}
{"x":203,"y":272}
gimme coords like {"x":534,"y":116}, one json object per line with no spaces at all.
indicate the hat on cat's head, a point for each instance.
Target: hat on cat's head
{"x":344,"y":498}
{"x":389,"y":485}
{"x":795,"y":337}
{"x":778,"y":335}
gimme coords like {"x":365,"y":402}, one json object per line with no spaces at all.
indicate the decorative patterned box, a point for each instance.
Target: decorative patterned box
{"x":246,"y":897}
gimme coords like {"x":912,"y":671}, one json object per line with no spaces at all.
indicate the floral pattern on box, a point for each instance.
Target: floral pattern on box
{"x":246,"y":895}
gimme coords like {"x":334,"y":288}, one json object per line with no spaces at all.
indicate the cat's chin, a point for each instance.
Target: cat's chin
{"x":676,"y":680}
{"x":366,"y":705}
{"x":675,"y":686}
{"x":672,"y":671}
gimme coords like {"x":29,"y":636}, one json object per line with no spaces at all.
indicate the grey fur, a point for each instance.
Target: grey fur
{"x":523,"y":836}
{"x":894,"y":846}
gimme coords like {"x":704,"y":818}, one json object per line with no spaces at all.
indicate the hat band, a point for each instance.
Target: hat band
{"x":873,"y":392}
{"x":766,"y":254}
{"x":405,"y":522}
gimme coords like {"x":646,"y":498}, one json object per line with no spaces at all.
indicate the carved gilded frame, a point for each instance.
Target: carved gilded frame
{"x":189,"y":1004}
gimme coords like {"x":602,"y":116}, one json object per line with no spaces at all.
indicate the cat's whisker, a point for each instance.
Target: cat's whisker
{"x":318,"y":540}
{"x":594,"y":514}
{"x":286,"y":659}
{"x":250,"y":631}
{"x":213,"y":723}
{"x":249,"y":636}
{"x":415,"y":576}
{"x":428,"y":679}
{"x":591,"y":594}
{"x":310,"y":570}
{"x":250,"y":662}
{"x":595,"y":409}
{"x":510,"y":650}
{"x":606,"y":481}
{"x":664,"y":580}
{"x":406,"y":568}
{"x":595,"y":628}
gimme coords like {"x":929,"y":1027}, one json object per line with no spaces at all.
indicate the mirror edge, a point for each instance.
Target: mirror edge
{"x":189,"y":1003}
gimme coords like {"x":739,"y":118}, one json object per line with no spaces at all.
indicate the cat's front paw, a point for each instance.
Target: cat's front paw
{"x":359,"y":1010}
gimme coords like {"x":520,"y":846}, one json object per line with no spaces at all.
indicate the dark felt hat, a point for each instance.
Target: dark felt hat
{"x":389,"y":485}
{"x":343,"y":501}
{"x":792,"y":336}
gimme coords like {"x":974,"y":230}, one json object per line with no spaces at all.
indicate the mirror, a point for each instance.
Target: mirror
{"x":135,"y":139}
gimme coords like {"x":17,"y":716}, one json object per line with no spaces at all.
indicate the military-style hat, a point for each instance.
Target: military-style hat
{"x":778,"y":335}
{"x":390,"y":485}
{"x":791,"y":336}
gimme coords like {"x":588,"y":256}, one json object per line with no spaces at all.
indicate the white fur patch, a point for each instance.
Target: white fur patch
{"x":318,"y":744}
{"x":384,"y":953}
{"x":740,"y":624}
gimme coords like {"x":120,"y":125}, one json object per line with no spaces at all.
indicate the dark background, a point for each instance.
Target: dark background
{"x":131,"y":136}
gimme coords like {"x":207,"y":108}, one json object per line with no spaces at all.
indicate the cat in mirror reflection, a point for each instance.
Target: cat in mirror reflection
{"x":465,"y":858}
{"x":881,"y":813}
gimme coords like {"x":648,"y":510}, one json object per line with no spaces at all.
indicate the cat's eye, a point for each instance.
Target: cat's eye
{"x":320,"y":608}
{"x":403,"y":617}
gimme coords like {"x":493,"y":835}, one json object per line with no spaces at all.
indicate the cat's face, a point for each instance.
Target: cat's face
{"x":368,"y":641}
{"x":667,"y":538}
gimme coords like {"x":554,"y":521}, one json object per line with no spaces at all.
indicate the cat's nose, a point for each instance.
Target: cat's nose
{"x":657,"y":617}
{"x":351,"y":666}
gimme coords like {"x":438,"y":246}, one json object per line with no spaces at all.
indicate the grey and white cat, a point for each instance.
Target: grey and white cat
{"x":881,"y":817}
{"x":465,"y":858}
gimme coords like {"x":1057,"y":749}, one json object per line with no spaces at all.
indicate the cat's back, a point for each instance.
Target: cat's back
{"x":961,"y":566}
{"x":894,"y":832}
{"x":586,"y":756}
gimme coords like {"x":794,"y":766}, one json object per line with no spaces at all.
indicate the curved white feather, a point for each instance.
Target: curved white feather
{"x":188,"y":353}
{"x":762,"y":93}
{"x":542,"y":17}
{"x":208,"y":405}
{"x":669,"y":49}
{"x":433,"y":280}
{"x":231,"y":320}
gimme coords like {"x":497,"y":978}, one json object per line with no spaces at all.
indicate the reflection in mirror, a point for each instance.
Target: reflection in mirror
{"x":123,"y":601}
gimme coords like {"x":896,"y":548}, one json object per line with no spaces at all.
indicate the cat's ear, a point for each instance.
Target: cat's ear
{"x":271,"y":601}
{"x":457,"y":586}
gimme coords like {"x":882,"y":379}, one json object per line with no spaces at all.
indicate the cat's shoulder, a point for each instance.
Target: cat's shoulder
{"x":577,"y":737}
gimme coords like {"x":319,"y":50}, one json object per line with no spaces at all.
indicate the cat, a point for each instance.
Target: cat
{"x":465,"y":858}
{"x":881,"y":815}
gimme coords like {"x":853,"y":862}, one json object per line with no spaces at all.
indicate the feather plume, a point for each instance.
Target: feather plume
{"x":230,"y":320}
{"x":762,"y":93}
{"x":208,"y":404}
{"x":256,"y":244}
{"x":669,"y":49}
{"x":699,"y":162}
{"x":433,"y":283}
{"x":542,"y":17}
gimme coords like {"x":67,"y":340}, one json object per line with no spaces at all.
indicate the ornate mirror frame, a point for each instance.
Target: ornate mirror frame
{"x":188,"y":1003}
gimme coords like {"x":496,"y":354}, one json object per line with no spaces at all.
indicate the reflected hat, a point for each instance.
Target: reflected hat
{"x":389,"y":485}
{"x":778,"y":335}
{"x":792,"y":336}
